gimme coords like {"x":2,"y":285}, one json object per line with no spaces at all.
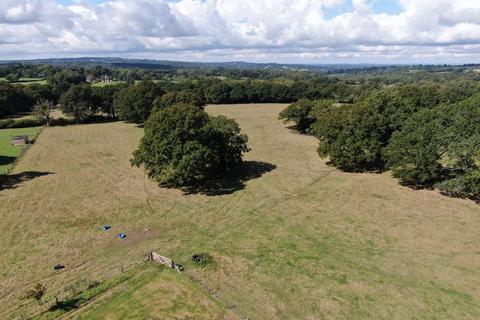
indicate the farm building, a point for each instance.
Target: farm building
{"x":106,"y":78}
{"x":20,"y":140}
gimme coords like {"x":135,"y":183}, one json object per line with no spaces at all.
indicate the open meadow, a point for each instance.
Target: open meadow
{"x":291,"y":237}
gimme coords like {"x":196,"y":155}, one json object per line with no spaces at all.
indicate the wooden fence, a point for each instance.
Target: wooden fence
{"x":152,"y":256}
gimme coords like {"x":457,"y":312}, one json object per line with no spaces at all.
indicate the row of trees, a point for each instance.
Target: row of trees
{"x":426,"y":135}
{"x":134,"y":102}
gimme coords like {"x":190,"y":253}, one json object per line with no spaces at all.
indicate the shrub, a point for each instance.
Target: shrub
{"x":22,"y":123}
{"x":464,"y":186}
{"x":63,"y":121}
{"x":5,"y":124}
{"x":204,"y":260}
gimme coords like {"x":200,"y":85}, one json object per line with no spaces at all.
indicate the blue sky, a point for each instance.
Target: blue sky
{"x":378,"y":6}
{"x":297,"y":31}
{"x":387,"y":6}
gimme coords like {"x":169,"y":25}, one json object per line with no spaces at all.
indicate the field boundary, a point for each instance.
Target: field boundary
{"x":22,"y":153}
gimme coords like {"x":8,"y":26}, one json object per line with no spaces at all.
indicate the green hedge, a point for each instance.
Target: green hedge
{"x":22,"y":123}
{"x":28,"y":123}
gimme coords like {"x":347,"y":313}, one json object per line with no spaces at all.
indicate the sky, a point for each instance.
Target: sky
{"x":284,"y":31}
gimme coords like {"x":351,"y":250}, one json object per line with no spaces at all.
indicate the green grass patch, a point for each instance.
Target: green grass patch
{"x":9,"y":153}
{"x":103,"y":84}
{"x":27,"y":81}
{"x":87,"y":295}
{"x":148,"y":290}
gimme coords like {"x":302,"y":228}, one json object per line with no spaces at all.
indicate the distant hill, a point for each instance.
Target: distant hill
{"x":168,"y":65}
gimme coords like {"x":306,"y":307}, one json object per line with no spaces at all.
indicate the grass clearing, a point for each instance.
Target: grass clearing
{"x":9,"y":152}
{"x":27,"y":81}
{"x":300,"y":240}
{"x":103,"y":84}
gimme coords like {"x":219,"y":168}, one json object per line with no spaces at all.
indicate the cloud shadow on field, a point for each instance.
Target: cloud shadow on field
{"x":234,"y":182}
{"x":12,"y":181}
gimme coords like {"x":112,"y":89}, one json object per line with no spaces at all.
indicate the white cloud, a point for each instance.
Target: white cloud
{"x":261,"y":30}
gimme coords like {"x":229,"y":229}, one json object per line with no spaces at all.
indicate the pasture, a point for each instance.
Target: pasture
{"x":103,"y":84}
{"x":27,"y":81}
{"x":292,"y":238}
{"x":9,"y":152}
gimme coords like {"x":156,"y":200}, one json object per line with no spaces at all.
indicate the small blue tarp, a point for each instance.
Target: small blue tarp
{"x":106,"y":227}
{"x":122,"y":236}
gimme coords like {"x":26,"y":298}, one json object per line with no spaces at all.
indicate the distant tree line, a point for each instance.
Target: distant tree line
{"x":426,"y":134}
{"x":134,"y":102}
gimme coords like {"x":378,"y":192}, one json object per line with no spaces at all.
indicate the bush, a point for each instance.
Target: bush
{"x":97,"y":118}
{"x":203,"y":260}
{"x":22,"y":123}
{"x":5,"y":124}
{"x":63,"y":121}
{"x":464,"y":186}
{"x":183,"y":145}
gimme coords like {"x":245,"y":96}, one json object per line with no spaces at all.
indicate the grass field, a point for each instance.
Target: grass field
{"x":8,"y":152}
{"x":27,"y":81}
{"x":103,"y":84}
{"x":292,"y":239}
{"x":155,"y":292}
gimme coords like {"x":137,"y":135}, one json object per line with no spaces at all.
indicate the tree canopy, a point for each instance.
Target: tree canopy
{"x":305,"y":112}
{"x":426,"y":135}
{"x":79,"y":102}
{"x":134,"y":103}
{"x":183,"y":145}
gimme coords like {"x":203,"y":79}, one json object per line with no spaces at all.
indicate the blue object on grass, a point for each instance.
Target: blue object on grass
{"x":106,"y":227}
{"x":122,"y":235}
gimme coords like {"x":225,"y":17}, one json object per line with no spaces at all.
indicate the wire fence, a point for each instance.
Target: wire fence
{"x":14,"y":306}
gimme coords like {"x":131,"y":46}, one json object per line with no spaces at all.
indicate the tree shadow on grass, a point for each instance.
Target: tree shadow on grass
{"x":234,"y":182}
{"x":377,"y":168}
{"x":67,"y":305}
{"x":12,"y":181}
{"x":6,"y":160}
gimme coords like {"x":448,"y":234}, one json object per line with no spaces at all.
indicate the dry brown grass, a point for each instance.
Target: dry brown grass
{"x":303,"y":241}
